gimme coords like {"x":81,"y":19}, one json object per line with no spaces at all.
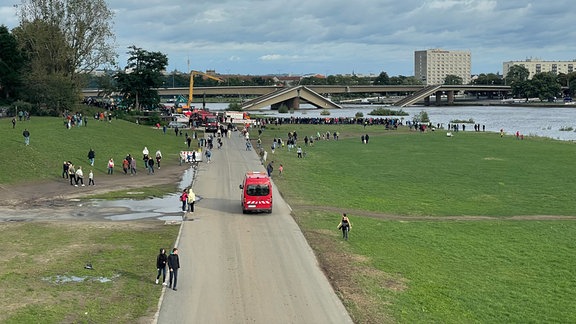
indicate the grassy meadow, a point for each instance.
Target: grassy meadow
{"x":445,"y":230}
{"x":40,"y":256}
{"x":51,"y":143}
{"x":472,"y":228}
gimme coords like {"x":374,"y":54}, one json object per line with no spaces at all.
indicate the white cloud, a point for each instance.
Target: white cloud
{"x":337,"y":36}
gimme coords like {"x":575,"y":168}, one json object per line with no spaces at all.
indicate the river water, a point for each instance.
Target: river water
{"x":529,"y":121}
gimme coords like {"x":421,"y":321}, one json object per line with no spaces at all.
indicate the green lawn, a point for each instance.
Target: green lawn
{"x":51,"y":143}
{"x":428,"y":267}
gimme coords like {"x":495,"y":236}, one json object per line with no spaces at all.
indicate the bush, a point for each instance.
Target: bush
{"x":387,"y":112}
{"x":283,"y":109}
{"x":359,"y":115}
{"x":422,"y":117}
{"x":325,"y":112}
{"x":235,"y":106}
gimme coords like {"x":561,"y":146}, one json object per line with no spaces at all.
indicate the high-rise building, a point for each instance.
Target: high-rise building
{"x":433,"y":65}
{"x":535,"y":66}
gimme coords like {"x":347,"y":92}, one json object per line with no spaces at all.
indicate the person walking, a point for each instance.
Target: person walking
{"x":150,"y":166}
{"x":13,"y":123}
{"x":111,"y":166}
{"x":158,"y":158}
{"x":184,"y":199}
{"x":280,"y":169}
{"x":125,"y":165}
{"x":132,"y":166}
{"x":161,"y":263}
{"x":191,"y":200}
{"x":345,"y":226}
{"x":208,"y":155}
{"x":91,"y":156}
{"x":65,"y":166}
{"x":270,"y":168}
{"x":71,"y":173}
{"x":26,"y":135}
{"x":79,"y":176}
{"x":91,"y":178}
{"x":173,"y":266}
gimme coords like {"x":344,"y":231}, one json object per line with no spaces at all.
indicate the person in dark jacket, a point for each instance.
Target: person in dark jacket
{"x":173,"y":266}
{"x":161,"y":262}
{"x":91,"y":156}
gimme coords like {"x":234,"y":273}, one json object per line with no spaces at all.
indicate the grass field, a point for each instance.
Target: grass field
{"x":422,"y":248}
{"x":50,"y":141}
{"x":448,"y":230}
{"x":34,"y":265}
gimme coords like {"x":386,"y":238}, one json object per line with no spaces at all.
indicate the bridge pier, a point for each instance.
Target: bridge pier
{"x":450,"y":96}
{"x":438,"y":98}
{"x":292,"y":104}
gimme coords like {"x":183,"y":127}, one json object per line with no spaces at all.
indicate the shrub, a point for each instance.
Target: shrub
{"x":283,"y":109}
{"x":422,"y":117}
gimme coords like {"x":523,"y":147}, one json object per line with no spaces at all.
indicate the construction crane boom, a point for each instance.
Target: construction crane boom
{"x":191,"y":90}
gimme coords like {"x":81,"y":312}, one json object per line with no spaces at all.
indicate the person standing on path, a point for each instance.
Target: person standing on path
{"x":191,"y":199}
{"x":26,"y":135}
{"x":345,"y":226}
{"x":91,"y":178}
{"x":173,"y":266}
{"x":158,"y":158}
{"x":150,"y":166}
{"x":79,"y":176}
{"x":161,"y":261}
{"x":184,"y":199}
{"x":72,"y":174}
{"x":111,"y":166}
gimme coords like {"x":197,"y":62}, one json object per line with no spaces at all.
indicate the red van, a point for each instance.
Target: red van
{"x":256,"y":192}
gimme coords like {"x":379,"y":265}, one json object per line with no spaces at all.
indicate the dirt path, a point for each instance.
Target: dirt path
{"x":32,"y":195}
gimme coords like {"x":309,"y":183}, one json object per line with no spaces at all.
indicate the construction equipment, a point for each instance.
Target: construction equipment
{"x":191,"y":90}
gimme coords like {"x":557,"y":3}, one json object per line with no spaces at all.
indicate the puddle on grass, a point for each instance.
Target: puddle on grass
{"x":61,"y":279}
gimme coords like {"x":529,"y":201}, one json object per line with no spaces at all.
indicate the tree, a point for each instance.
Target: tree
{"x":488,"y":79}
{"x":85,"y":25}
{"x":142,"y":74}
{"x":404,"y":80}
{"x":11,"y":63}
{"x":453,"y":79}
{"x":545,"y":86}
{"x":517,"y":73}
{"x":382,"y":79}
{"x":46,"y":78}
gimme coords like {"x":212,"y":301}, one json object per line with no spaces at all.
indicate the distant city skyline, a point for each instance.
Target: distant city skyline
{"x":325,"y":37}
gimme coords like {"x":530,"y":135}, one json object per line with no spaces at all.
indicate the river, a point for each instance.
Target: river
{"x":529,"y":121}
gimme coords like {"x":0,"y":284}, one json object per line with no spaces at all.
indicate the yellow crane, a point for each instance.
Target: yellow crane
{"x":191,"y":90}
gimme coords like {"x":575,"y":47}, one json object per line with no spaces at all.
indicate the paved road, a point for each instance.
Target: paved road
{"x":238,"y":268}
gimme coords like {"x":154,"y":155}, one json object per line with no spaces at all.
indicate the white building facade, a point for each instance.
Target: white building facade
{"x":433,"y":65}
{"x":535,"y":66}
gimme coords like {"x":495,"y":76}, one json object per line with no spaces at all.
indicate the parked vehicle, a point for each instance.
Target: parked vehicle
{"x":174,"y":124}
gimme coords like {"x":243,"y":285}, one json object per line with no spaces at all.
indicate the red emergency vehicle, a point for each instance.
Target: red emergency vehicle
{"x":256,"y":192}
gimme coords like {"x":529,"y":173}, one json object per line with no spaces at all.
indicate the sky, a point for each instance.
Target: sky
{"x":329,"y":37}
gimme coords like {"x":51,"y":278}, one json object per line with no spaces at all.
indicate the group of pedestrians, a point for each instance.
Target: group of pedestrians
{"x":187,"y":199}
{"x":76,"y":174}
{"x":172,"y":262}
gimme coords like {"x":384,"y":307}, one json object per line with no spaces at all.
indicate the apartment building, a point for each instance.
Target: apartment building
{"x":433,"y":65}
{"x":535,"y":66}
